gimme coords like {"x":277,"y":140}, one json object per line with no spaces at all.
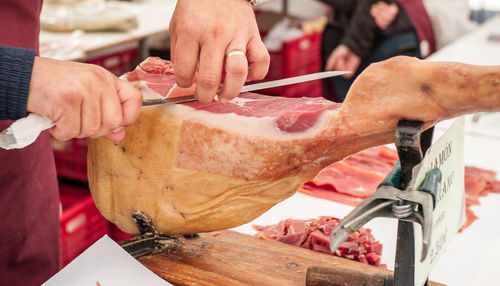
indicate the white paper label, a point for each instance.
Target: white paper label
{"x":447,"y":218}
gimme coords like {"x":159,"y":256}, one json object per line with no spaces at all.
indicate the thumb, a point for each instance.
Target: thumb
{"x":131,"y":101}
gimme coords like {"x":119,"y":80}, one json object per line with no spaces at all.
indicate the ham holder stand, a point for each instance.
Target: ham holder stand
{"x":231,"y":258}
{"x":395,"y":198}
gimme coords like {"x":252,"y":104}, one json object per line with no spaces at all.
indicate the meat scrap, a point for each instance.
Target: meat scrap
{"x":314,"y":234}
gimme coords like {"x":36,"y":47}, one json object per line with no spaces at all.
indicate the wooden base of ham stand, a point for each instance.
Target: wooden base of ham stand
{"x":231,"y":258}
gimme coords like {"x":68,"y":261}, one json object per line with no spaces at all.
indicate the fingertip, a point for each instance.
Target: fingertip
{"x":56,"y":134}
{"x":131,"y":102}
{"x":203,"y":98}
{"x":184,"y":81}
{"x":126,"y":92}
{"x":258,"y":58}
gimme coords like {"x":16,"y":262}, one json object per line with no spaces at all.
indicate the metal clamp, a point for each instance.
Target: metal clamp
{"x":149,"y":241}
{"x":395,"y":198}
{"x":388,"y":201}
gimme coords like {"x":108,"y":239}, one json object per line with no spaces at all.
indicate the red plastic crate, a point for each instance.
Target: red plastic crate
{"x":297,"y":57}
{"x":119,"y":62}
{"x":71,"y":159}
{"x":117,"y":234}
{"x":80,"y":223}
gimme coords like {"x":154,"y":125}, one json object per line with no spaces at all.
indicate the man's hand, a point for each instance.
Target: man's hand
{"x":218,"y":35}
{"x":343,"y":59}
{"x":84,"y":100}
{"x":384,"y":13}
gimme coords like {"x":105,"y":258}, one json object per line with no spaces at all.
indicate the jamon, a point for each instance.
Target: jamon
{"x":314,"y":234}
{"x":194,"y":168}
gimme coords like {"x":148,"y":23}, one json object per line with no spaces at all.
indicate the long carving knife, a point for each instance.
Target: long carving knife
{"x":24,"y":131}
{"x":253,"y":87}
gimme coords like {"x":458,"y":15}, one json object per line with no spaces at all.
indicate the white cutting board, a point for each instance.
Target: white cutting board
{"x":105,"y":263}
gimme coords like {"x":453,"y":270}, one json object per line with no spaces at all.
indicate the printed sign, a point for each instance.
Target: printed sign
{"x":447,"y":218}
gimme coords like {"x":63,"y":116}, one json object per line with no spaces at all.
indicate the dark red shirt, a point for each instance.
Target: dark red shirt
{"x":29,"y":204}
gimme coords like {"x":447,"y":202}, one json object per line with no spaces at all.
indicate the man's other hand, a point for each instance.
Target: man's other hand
{"x":383,"y":14}
{"x":343,"y":59}
{"x":213,"y":36}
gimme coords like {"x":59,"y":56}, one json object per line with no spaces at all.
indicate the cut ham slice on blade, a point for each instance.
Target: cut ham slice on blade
{"x":156,"y":78}
{"x":314,"y":234}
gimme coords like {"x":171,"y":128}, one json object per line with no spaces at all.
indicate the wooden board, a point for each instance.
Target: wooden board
{"x":232,"y":258}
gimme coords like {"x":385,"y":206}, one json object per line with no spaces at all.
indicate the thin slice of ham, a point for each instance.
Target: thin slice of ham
{"x":155,"y":77}
{"x":478,"y":183}
{"x":367,"y":169}
{"x":351,"y":180}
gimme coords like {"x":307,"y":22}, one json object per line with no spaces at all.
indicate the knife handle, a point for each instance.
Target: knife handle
{"x":24,"y":131}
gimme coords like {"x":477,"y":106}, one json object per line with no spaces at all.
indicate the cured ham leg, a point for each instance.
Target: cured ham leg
{"x":194,"y":168}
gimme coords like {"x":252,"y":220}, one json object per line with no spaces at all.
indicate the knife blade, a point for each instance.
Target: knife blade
{"x":253,"y":87}
{"x":24,"y":131}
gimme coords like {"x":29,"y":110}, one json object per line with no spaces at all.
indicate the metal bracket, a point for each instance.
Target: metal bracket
{"x":149,"y":241}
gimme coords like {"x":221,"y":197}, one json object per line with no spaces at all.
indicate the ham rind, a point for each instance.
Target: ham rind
{"x":314,"y":234}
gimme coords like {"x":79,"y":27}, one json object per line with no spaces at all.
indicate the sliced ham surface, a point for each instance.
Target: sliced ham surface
{"x":314,"y":234}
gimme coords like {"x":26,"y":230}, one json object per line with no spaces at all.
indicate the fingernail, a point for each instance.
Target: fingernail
{"x":116,"y":130}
